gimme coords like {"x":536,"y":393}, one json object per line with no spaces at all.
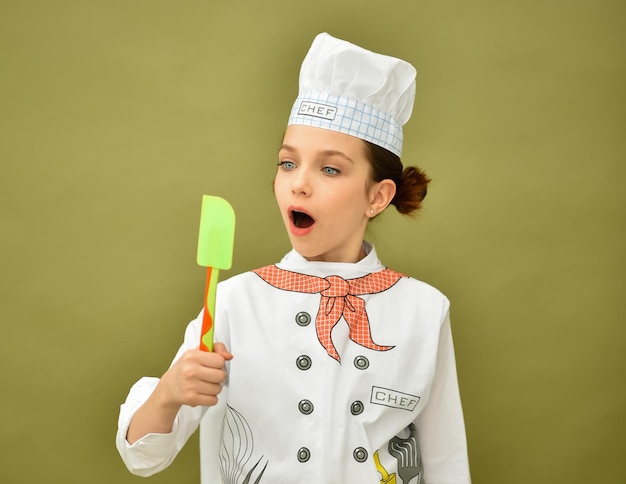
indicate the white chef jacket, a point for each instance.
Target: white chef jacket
{"x":293,"y":411}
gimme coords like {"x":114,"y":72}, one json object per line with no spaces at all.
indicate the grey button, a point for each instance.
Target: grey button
{"x":303,"y":362}
{"x":360,"y":454}
{"x":361,"y":362}
{"x":305,"y":407}
{"x":357,"y":408}
{"x":304,"y":454}
{"x":303,"y":319}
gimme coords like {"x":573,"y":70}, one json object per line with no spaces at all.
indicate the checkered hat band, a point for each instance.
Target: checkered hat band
{"x":349,"y":116}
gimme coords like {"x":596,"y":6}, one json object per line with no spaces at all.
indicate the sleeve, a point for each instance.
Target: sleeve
{"x":440,"y":426}
{"x":154,"y":452}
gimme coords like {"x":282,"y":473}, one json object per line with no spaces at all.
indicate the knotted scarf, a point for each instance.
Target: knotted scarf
{"x":339,"y":297}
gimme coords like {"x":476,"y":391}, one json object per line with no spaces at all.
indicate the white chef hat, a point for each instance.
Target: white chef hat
{"x":346,"y":88}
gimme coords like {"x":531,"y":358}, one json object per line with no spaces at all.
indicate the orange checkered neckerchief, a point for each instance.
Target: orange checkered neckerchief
{"x":340,"y":297}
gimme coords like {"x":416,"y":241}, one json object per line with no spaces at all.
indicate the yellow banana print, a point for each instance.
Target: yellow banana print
{"x":386,"y":478}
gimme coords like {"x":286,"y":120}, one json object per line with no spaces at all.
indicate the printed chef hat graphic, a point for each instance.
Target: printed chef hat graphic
{"x":346,"y":88}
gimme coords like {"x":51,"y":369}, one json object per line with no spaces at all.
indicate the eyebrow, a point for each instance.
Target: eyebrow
{"x":326,"y":153}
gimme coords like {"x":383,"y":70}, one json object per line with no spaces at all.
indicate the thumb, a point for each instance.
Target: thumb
{"x":220,"y":348}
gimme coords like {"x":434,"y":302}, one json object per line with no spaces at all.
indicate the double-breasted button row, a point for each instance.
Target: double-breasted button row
{"x":359,"y":454}
{"x":304,"y":362}
{"x":306,"y":407}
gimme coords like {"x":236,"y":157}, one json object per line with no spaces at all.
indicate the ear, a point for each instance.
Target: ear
{"x":381,"y":195}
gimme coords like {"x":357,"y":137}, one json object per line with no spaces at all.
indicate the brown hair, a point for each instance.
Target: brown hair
{"x":411,"y":182}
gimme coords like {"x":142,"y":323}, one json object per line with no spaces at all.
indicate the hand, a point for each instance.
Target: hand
{"x":196,"y":378}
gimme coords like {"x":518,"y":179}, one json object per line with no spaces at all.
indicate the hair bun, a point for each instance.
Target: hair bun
{"x":410,"y":190}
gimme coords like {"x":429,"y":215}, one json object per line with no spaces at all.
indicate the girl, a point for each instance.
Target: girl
{"x":342,"y":371}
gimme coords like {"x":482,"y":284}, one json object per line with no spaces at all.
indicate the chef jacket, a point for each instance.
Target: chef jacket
{"x":342,"y":373}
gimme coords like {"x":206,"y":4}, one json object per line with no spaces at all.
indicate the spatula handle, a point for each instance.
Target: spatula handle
{"x":208,"y":314}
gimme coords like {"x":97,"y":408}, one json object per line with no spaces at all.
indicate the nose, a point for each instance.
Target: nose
{"x":300,"y":183}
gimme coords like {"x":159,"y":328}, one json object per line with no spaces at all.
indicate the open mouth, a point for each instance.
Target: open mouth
{"x":301,"y":220}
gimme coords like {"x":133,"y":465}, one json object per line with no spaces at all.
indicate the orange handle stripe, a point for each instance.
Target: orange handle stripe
{"x":207,"y":317}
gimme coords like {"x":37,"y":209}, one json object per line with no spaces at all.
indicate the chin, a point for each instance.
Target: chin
{"x":305,"y":250}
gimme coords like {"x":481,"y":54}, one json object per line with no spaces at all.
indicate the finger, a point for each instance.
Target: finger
{"x":210,"y":376}
{"x":210,"y":389}
{"x":202,"y":400}
{"x":209,"y":359}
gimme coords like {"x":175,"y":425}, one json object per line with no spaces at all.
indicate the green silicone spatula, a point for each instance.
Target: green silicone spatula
{"x":215,"y":251}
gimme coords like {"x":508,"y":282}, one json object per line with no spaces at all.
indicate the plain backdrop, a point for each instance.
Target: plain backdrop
{"x":116,"y":116}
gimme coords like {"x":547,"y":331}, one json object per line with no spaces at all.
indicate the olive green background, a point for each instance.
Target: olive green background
{"x":116,"y":116}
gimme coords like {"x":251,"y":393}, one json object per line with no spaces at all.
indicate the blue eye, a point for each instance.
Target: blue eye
{"x":287,"y":165}
{"x":330,"y":171}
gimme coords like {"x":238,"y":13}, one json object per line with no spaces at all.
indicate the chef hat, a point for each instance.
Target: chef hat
{"x":346,"y":88}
